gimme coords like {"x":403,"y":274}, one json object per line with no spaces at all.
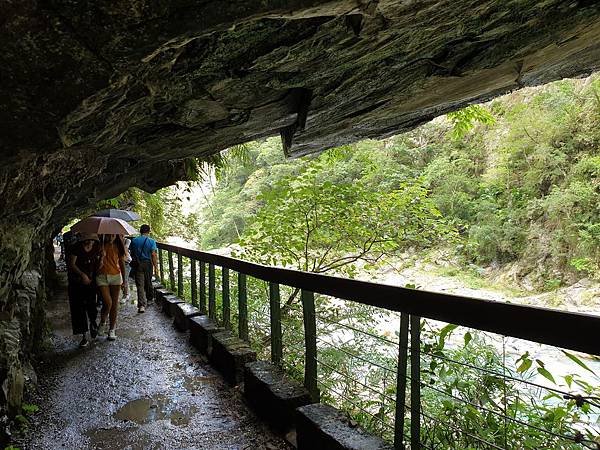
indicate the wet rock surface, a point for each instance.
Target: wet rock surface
{"x":149,"y":389}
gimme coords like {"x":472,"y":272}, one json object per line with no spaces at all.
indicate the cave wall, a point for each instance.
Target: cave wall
{"x":97,"y":96}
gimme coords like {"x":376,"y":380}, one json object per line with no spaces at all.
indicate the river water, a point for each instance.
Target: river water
{"x":554,"y":359}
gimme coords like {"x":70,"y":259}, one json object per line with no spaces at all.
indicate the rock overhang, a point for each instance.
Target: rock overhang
{"x":133,"y":84}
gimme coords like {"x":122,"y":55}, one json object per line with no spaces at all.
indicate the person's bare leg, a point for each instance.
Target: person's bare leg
{"x":106,"y":303}
{"x":114,"y":293}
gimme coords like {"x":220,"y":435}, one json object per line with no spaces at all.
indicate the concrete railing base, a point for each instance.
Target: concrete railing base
{"x":322,"y":427}
{"x":183,"y":313}
{"x":159,"y":293}
{"x":168,"y":304}
{"x":229,"y":354}
{"x":201,"y":330}
{"x":272,"y":395}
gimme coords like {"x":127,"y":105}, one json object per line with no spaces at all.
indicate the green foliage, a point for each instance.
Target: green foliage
{"x":585,"y":265}
{"x":21,"y":422}
{"x":552,"y":284}
{"x":29,"y":408}
{"x":162,"y":210}
{"x":231,"y":200}
{"x":312,"y":224}
{"x":526,"y":188}
{"x":518,"y":179}
{"x":464,"y":119}
{"x":471,"y":396}
{"x":478,"y":396}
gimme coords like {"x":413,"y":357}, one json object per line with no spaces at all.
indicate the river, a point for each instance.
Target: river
{"x":583,"y":297}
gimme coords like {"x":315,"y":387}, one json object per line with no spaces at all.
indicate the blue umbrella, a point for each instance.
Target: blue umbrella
{"x":122,"y":214}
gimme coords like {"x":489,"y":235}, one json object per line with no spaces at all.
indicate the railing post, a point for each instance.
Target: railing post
{"x":171,"y":271}
{"x":212,"y":302}
{"x":415,"y":382}
{"x":179,"y":275}
{"x":194,"y":285}
{"x":310,"y":344}
{"x":401,"y":382}
{"x":226,"y":299}
{"x":242,"y":307}
{"x":161,"y":268}
{"x":275,"y":315}
{"x":202,"y":287}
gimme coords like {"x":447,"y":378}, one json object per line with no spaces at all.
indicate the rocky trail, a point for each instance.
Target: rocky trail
{"x":149,"y":389}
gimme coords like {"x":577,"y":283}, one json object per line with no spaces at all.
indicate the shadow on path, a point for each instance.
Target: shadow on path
{"x":149,"y":389}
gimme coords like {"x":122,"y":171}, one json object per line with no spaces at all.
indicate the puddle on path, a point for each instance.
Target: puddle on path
{"x":132,"y":333}
{"x":116,"y":438}
{"x":193,"y":384}
{"x":160,"y":407}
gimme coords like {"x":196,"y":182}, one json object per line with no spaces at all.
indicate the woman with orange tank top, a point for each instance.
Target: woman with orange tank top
{"x":109,"y":280}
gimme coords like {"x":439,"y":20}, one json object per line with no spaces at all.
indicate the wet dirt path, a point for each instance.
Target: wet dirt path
{"x":149,"y":389}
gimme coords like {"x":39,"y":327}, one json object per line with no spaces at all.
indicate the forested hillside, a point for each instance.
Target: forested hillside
{"x":512,"y":184}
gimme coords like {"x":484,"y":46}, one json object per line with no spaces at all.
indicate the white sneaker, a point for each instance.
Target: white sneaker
{"x":84,"y":342}
{"x":111,"y":335}
{"x":141,"y":309}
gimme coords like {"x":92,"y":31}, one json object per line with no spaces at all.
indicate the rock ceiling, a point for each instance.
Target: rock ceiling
{"x":99,"y":95}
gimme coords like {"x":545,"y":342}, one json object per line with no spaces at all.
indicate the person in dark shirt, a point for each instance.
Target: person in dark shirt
{"x":83,"y":259}
{"x":70,"y":239}
{"x":143,"y":251}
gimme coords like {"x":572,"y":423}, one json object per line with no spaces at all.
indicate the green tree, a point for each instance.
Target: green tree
{"x":315,"y":225}
{"x":464,"y":119}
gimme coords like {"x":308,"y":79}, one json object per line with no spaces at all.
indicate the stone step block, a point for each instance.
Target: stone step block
{"x":183,"y":313}
{"x":160,"y":293}
{"x":323,"y":427}
{"x":168,"y":304}
{"x":272,"y":395}
{"x":229,"y":354}
{"x":201,"y":330}
{"x":156,"y":285}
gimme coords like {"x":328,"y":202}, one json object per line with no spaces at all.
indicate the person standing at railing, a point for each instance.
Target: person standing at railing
{"x":144,"y":260}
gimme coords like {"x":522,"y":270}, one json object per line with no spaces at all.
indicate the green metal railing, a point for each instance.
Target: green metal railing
{"x":404,"y":386}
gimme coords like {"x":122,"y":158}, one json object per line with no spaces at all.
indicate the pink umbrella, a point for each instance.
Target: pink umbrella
{"x":103,"y":225}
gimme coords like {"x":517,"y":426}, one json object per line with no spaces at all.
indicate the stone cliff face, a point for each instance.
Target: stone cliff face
{"x":97,"y":96}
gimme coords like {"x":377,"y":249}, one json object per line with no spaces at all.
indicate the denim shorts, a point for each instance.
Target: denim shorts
{"x":109,"y":280}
